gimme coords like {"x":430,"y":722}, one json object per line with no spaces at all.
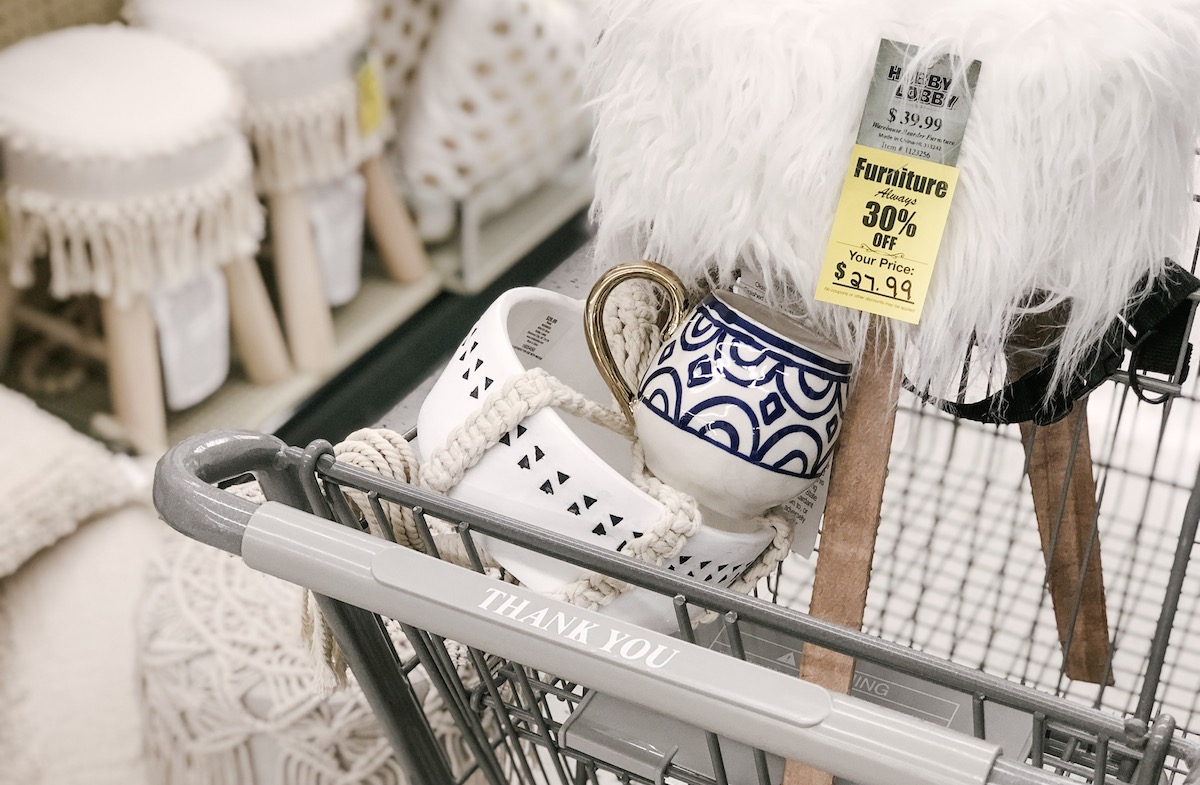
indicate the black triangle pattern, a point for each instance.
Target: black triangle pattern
{"x":521,"y":431}
{"x":563,"y":477}
{"x":475,"y":393}
{"x":599,"y":529}
{"x":505,"y":441}
{"x":574,"y":508}
{"x":537,"y":453}
{"x":547,"y":488}
{"x":588,"y":501}
{"x":487,"y":382}
{"x":524,"y":462}
{"x":615,"y":519}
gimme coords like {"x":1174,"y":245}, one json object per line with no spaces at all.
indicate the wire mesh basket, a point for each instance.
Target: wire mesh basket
{"x":958,"y":612}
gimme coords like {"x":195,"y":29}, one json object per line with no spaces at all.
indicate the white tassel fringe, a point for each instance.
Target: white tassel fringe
{"x":122,"y":248}
{"x":311,"y":140}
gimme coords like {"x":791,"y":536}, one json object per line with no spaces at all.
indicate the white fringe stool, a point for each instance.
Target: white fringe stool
{"x":299,"y":62}
{"x":125,"y":171}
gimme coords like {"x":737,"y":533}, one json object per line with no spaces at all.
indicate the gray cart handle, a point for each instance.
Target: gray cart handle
{"x":847,"y":737}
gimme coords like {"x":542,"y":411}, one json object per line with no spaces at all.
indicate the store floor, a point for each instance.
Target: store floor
{"x":371,"y":386}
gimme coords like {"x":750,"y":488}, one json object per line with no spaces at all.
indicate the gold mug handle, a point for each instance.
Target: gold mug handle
{"x":593,"y":322}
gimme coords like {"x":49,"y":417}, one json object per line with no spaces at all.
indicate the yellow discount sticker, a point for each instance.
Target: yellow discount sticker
{"x":372,"y":103}
{"x":886,"y":234}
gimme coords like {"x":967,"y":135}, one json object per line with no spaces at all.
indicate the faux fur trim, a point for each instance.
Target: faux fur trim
{"x":311,"y":140}
{"x":724,"y":132}
{"x":121,"y":248}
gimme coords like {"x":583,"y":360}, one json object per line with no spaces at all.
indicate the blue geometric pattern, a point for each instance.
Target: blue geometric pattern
{"x":787,"y":403}
{"x":771,"y":408}
{"x":699,"y":372}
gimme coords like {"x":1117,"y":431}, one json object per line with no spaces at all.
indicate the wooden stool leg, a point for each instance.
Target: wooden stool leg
{"x":852,"y":510}
{"x":307,"y":318}
{"x":1064,"y":500}
{"x":135,"y":374}
{"x":8,"y":317}
{"x":402,"y":251}
{"x":1059,"y":466}
{"x":256,"y":331}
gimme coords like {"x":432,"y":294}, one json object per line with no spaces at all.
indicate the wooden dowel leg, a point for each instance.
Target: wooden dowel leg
{"x":395,"y":235}
{"x":1059,"y":465}
{"x":852,"y":510}
{"x":1065,"y":505}
{"x":8,"y":317}
{"x":307,"y":318}
{"x":135,"y":374}
{"x":256,"y":332}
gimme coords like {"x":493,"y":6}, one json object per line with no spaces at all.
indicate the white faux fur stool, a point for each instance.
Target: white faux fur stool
{"x":125,"y":170}
{"x":314,"y":115}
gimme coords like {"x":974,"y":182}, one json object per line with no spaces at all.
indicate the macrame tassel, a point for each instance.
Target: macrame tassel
{"x":123,"y":248}
{"x":329,"y":664}
{"x":311,"y":140}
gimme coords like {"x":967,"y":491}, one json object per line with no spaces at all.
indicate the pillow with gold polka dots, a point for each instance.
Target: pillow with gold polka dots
{"x":400,"y":33}
{"x":496,"y":100}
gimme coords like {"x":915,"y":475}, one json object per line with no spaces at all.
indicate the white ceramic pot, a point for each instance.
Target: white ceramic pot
{"x":558,"y":471}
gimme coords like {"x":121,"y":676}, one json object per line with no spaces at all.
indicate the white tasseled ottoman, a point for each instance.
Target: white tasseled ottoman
{"x":126,"y":173}
{"x":316,"y":113}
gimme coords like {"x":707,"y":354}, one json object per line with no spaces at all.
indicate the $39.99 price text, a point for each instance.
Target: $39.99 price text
{"x":925,"y":122}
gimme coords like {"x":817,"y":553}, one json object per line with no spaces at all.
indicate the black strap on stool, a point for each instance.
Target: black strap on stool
{"x":1153,"y":331}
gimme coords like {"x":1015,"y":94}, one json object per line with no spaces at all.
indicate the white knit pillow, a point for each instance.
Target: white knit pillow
{"x":53,"y":479}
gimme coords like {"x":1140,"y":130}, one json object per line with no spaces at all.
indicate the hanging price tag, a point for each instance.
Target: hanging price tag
{"x":899,"y":185}
{"x":372,"y":102}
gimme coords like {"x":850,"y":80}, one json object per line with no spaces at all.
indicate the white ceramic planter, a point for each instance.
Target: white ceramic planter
{"x":555,"y":470}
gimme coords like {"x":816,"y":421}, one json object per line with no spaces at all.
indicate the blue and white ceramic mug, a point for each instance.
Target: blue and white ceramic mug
{"x":741,"y":406}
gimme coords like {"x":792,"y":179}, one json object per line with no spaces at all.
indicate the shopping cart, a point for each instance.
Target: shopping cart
{"x":526,"y":681}
{"x":958,"y":607}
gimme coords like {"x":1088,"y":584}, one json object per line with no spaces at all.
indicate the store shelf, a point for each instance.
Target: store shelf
{"x":380,"y":307}
{"x":509,"y":236}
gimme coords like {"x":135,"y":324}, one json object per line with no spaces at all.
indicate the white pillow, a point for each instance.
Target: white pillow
{"x":52,"y":479}
{"x":69,"y":708}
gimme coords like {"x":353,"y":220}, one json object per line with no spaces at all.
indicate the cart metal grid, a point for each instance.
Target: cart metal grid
{"x":511,"y":712}
{"x":958,"y":598}
{"x":959,"y":572}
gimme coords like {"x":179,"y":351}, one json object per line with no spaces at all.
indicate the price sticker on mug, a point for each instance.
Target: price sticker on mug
{"x":899,"y":185}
